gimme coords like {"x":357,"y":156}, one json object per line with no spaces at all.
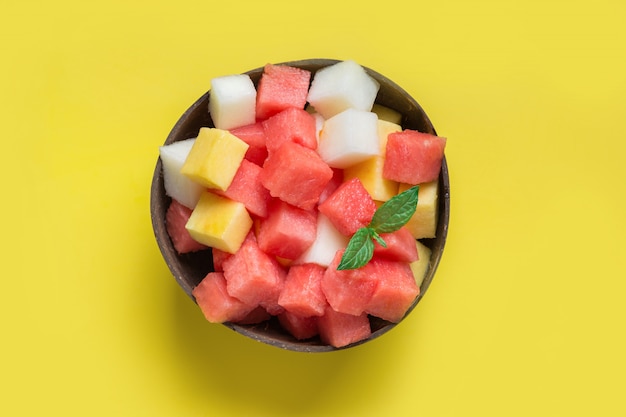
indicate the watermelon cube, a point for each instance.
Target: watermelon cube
{"x":395,"y":292}
{"x":281,"y":87}
{"x":340,"y":329}
{"x":233,"y":101}
{"x":400,"y":246}
{"x":217,"y":305}
{"x":258,"y":315}
{"x":254,"y":136}
{"x":246,"y":188}
{"x":348,"y":291}
{"x":254,"y":277}
{"x":340,"y":86}
{"x":298,"y":326}
{"x":219,"y":256}
{"x":287,"y":231}
{"x":176,"y":217}
{"x":350,"y":207}
{"x":296,"y":175}
{"x":332,"y":185}
{"x":413,"y":157}
{"x":292,"y":124}
{"x":302,"y":293}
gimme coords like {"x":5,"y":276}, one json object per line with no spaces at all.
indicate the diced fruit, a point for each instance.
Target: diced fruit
{"x":332,"y":185}
{"x":178,"y":186}
{"x":423,"y":223}
{"x":258,"y":315}
{"x":386,"y":113}
{"x":400,"y":246}
{"x":219,"y":222}
{"x":214,"y":158}
{"x":254,"y":277}
{"x":287,"y":231}
{"x":349,"y":138}
{"x":385,"y":128}
{"x":293,"y":125}
{"x":233,"y":101}
{"x":216,"y":304}
{"x":254,"y":136}
{"x":340,"y":329}
{"x":302,"y":294}
{"x":420,"y":266}
{"x":299,"y":327}
{"x":219,"y":256}
{"x":349,"y":208}
{"x":296,"y":175}
{"x":246,"y":188}
{"x":176,"y":217}
{"x":370,"y":173}
{"x":348,"y":291}
{"x":281,"y":87}
{"x":328,"y":240}
{"x":395,"y":292}
{"x":413,"y":157}
{"x":341,"y":86}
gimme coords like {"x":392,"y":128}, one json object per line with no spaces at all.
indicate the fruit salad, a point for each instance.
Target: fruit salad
{"x":311,"y":200}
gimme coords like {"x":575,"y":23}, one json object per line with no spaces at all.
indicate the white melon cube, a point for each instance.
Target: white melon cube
{"x":341,"y":86}
{"x":319,"y":125}
{"x":348,"y":138}
{"x":178,"y":186}
{"x":327,"y":242}
{"x":233,"y":101}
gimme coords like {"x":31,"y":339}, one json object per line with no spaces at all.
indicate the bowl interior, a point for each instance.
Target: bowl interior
{"x":190,"y":269}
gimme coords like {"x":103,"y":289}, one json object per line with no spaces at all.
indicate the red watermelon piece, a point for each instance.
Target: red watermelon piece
{"x":395,"y":292}
{"x":350,"y":207}
{"x":254,"y":277}
{"x":258,"y":315}
{"x":287,"y":231}
{"x":292,"y":124}
{"x":217,"y":305}
{"x":332,"y":185}
{"x":340,"y":329}
{"x":296,"y":174}
{"x":281,"y":87}
{"x":400,"y":246}
{"x":348,"y":291}
{"x":413,"y":157}
{"x":219,"y":256}
{"x":254,"y":136}
{"x":246,"y":188}
{"x":298,"y":326}
{"x":176,"y":217}
{"x":302,"y":294}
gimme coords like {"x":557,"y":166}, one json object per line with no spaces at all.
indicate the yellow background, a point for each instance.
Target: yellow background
{"x":526,"y":314}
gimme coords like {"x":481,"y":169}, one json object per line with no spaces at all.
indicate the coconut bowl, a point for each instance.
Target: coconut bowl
{"x":189,"y":269}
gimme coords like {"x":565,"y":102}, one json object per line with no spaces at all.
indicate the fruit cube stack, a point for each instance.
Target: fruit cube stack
{"x":291,"y":169}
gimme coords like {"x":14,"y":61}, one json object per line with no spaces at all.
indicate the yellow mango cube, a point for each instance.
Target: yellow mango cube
{"x":386,"y":113}
{"x":219,"y":222}
{"x":370,"y":172}
{"x":214,"y":158}
{"x":423,"y":224}
{"x":420,"y":266}
{"x":384,"y":129}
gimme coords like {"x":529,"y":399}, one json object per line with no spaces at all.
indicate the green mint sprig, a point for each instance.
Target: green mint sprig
{"x":388,"y":218}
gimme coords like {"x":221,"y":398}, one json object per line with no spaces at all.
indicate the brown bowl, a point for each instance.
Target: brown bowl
{"x":190,"y":269}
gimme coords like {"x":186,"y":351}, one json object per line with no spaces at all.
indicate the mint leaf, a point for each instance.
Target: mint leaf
{"x":378,"y":239}
{"x":359,"y":251}
{"x":395,"y":212}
